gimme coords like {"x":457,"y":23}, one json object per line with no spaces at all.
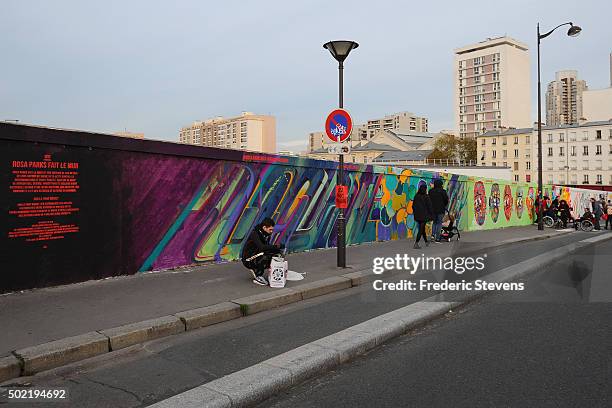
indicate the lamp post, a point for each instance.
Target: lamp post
{"x":572,"y":32}
{"x":340,"y":50}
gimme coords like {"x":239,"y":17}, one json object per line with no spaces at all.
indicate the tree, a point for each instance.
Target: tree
{"x":449,"y":147}
{"x":445,"y":147}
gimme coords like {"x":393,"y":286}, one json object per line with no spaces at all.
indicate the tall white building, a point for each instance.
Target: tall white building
{"x":564,"y":99}
{"x":245,"y":132}
{"x":492,"y":86}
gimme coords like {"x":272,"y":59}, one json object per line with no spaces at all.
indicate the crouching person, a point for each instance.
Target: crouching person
{"x":257,"y":253}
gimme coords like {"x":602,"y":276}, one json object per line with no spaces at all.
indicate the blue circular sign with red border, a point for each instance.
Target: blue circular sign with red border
{"x":338,"y":125}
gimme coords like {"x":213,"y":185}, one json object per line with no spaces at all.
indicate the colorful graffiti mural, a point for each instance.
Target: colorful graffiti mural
{"x":579,"y":199}
{"x":148,"y":205}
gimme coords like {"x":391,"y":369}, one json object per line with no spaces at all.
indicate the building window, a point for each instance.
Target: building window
{"x":515,"y":139}
{"x":516,"y":167}
{"x":550,"y":138}
{"x":516,"y":177}
{"x":572,"y":150}
{"x":483,"y":142}
{"x":573,"y":137}
{"x":516,"y":153}
{"x":504,"y":154}
{"x":610,"y":133}
{"x":561,"y":137}
{"x":505,"y":164}
{"x":494,"y":164}
{"x":598,"y":134}
{"x":528,"y":139}
{"x":561,"y":152}
{"x":550,"y":152}
{"x":598,"y":150}
{"x":585,"y":150}
{"x":494,"y":142}
{"x":528,"y":165}
{"x":504,"y":141}
{"x":585,"y":179}
{"x":599,"y":179}
{"x":585,"y":135}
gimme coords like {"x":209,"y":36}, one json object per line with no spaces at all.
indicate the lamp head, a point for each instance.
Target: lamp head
{"x":574,"y":30}
{"x":340,"y":49}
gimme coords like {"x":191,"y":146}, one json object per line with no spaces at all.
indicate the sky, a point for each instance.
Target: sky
{"x":155,"y":66}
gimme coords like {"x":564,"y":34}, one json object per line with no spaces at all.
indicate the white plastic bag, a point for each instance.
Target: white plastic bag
{"x":278,"y":272}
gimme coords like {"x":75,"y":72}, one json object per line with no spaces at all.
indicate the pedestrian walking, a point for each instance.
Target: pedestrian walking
{"x":597,"y":212}
{"x":423,"y":212}
{"x":439,"y":202}
{"x":609,"y":214}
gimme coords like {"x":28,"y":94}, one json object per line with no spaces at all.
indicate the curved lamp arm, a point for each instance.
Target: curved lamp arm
{"x":550,"y":32}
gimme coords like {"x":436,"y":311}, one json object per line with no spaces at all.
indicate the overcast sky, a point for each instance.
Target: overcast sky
{"x":154,"y":66}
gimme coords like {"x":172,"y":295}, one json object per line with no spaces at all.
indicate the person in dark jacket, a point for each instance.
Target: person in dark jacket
{"x":597,"y":212}
{"x":257,"y":253}
{"x":439,"y":202}
{"x":564,"y":212}
{"x":423,"y":212}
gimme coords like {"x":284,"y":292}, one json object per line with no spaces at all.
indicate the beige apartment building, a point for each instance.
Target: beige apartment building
{"x":597,"y":104}
{"x":564,"y":99}
{"x":402,"y":120}
{"x":245,"y":132}
{"x":133,"y":135}
{"x":579,"y":154}
{"x":492,"y":86}
{"x":508,"y":148}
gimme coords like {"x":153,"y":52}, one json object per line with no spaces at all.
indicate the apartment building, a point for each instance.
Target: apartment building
{"x":564,"y":99}
{"x":511,"y":148}
{"x":245,"y":132}
{"x":492,"y":86}
{"x":402,"y":120}
{"x":579,"y":154}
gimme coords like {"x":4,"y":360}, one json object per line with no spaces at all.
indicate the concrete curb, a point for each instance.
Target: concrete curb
{"x":65,"y":351}
{"x":130,"y":334}
{"x":268,"y":300}
{"x":61,"y":352}
{"x":206,"y":316}
{"x":259,"y":382}
{"x":10,"y":367}
{"x":254,"y":384}
{"x":323,"y":287}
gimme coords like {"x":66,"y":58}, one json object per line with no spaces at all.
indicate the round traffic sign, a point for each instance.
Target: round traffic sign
{"x":338,"y":125}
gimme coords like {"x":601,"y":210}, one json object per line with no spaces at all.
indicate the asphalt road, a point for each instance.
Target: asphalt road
{"x":143,"y":374}
{"x":548,"y":346}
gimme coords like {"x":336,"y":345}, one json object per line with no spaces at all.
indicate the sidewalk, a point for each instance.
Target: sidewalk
{"x":39,"y":316}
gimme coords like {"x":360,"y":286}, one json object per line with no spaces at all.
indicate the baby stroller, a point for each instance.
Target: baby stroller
{"x":449,"y":231}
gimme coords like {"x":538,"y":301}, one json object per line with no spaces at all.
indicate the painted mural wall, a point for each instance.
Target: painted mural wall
{"x":579,"y":199}
{"x":112,"y":206}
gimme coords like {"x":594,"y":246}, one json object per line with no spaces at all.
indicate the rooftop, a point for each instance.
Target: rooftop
{"x":492,"y":42}
{"x":409,"y":155}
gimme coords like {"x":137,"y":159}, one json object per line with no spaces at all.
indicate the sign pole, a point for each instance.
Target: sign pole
{"x":341,"y":241}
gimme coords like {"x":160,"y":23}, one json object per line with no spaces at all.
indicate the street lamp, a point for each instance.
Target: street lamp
{"x":572,"y":32}
{"x":340,"y":50}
